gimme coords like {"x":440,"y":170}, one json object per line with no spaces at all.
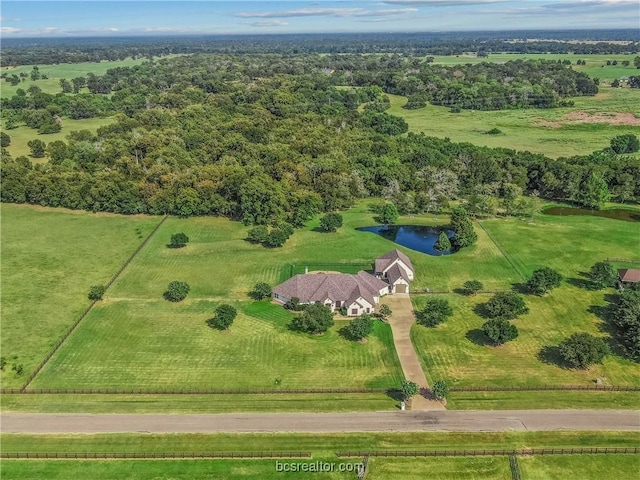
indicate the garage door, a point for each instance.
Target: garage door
{"x":401,"y":288}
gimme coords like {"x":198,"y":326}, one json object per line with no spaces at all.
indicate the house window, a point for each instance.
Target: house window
{"x":368,"y":310}
{"x":338,"y":303}
{"x":354,"y":311}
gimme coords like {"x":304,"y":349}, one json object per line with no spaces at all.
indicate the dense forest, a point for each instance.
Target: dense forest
{"x":273,"y":139}
{"x":36,"y":51}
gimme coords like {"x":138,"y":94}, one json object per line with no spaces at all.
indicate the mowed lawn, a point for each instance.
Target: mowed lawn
{"x":50,"y":258}
{"x":135,"y":338}
{"x":456,"y":351}
{"x":526,"y":129}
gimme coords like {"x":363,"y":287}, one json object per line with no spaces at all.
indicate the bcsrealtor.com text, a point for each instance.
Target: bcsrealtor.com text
{"x":318,"y":466}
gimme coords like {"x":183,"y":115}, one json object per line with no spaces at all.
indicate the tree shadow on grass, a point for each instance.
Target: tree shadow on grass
{"x":520,"y":288}
{"x":395,"y":394}
{"x":582,"y":283}
{"x":481,"y":311}
{"x":606,"y":313}
{"x":550,"y":355}
{"x":478,"y":337}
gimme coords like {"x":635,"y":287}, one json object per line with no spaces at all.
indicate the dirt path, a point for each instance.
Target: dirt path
{"x":467,"y":421}
{"x":401,"y":321}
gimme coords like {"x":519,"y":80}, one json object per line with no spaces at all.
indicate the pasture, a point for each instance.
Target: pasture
{"x":456,"y":351}
{"x":135,"y":339}
{"x":322,"y":447}
{"x":20,"y":136}
{"x":581,"y":129}
{"x":57,"y":72}
{"x":50,"y":258}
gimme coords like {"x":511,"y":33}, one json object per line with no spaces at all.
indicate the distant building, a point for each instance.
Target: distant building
{"x":358,"y":293}
{"x":628,"y":276}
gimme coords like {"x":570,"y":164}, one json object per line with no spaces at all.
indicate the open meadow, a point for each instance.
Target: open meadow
{"x":457,"y":350}
{"x":323,"y":448}
{"x":50,"y":258}
{"x":135,"y":339}
{"x":585,"y":127}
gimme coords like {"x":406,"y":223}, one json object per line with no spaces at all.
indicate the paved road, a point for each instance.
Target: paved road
{"x":401,"y":321}
{"x":472,"y":421}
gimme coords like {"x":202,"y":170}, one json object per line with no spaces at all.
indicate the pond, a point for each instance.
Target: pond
{"x":415,"y":237}
{"x":615,"y":213}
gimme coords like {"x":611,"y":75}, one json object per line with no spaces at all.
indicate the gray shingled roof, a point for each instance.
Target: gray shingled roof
{"x":396,"y":272}
{"x":317,"y":287}
{"x":388,"y":258}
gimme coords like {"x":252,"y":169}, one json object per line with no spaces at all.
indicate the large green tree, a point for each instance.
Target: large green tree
{"x":315,"y":319}
{"x":506,"y":306}
{"x":602,"y":275}
{"x":462,"y":226}
{"x":593,"y":192}
{"x":542,"y":280}
{"x":435,"y":311}
{"x":500,"y":330}
{"x":581,"y":350}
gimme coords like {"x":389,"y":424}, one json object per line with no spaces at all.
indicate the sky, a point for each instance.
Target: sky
{"x":26,"y":18}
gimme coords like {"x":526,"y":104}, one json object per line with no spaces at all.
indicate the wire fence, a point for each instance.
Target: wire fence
{"x":492,"y":452}
{"x":160,"y":391}
{"x":623,"y":260}
{"x":305,"y":391}
{"x":533,"y":388}
{"x":89,"y":307}
{"x":160,"y":455}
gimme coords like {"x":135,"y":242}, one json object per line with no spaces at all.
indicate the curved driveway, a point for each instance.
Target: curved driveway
{"x":408,"y":421}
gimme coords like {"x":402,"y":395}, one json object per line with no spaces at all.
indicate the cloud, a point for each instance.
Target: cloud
{"x":302,"y":12}
{"x":9,"y":30}
{"x":441,"y":3}
{"x":267,"y":23}
{"x":327,"y":12}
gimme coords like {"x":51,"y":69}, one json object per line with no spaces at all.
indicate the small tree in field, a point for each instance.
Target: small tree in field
{"x":542,"y":280}
{"x":471,"y":287}
{"x":581,"y":350}
{"x":384,"y":311}
{"x":96,"y":292}
{"x":315,"y":319}
{"x":409,"y":389}
{"x":293,"y":304}
{"x":360,"y":328}
{"x":331,"y":222}
{"x":442,"y":244}
{"x":178,"y":240}
{"x":500,"y":331}
{"x":440,"y":389}
{"x":260,"y":290}
{"x":225,"y":314}
{"x":602,"y":275}
{"x":258,"y":234}
{"x":505,"y":305}
{"x":434,"y":312}
{"x":176,"y":291}
{"x":388,"y":214}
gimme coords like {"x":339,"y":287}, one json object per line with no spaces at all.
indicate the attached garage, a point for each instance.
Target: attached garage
{"x":401,"y":288}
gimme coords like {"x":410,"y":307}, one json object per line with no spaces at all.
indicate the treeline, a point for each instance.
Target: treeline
{"x":198,"y":136}
{"x":51,"y":50}
{"x":485,"y":86}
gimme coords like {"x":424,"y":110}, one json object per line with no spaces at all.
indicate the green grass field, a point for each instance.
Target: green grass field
{"x":322,"y":447}
{"x":50,"y":258}
{"x":86,"y":403}
{"x":545,"y":131}
{"x":22,"y":135}
{"x":456,"y":351}
{"x":585,"y":467}
{"x":57,"y":72}
{"x":596,"y":65}
{"x":319,"y":445}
